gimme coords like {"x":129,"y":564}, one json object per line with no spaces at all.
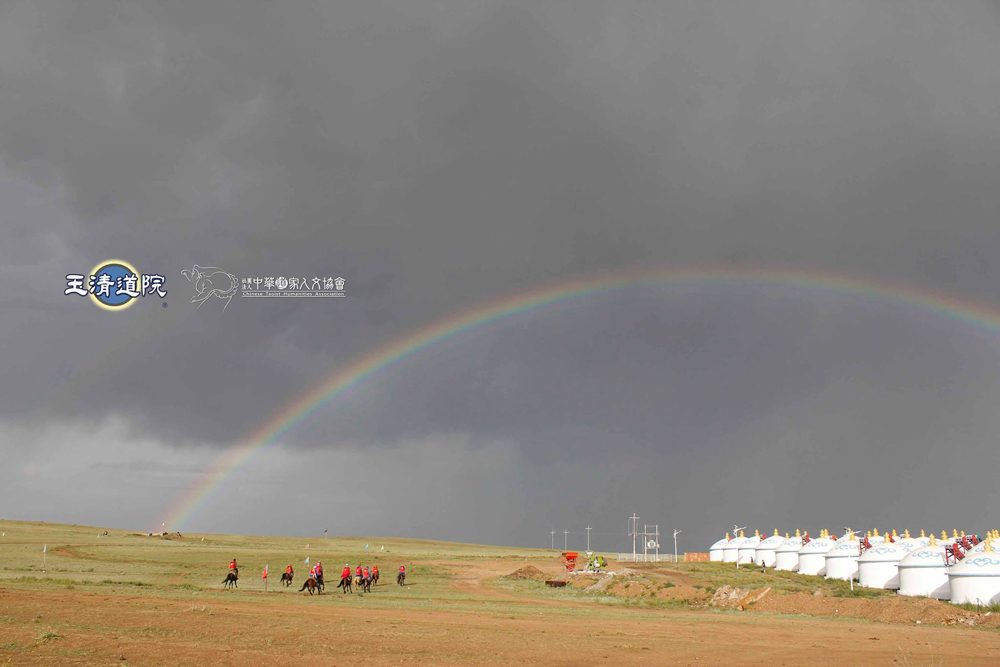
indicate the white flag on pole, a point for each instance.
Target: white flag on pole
{"x":307,"y":560}
{"x":44,"y":548}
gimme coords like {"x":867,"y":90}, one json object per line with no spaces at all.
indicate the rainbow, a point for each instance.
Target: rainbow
{"x":343,"y":379}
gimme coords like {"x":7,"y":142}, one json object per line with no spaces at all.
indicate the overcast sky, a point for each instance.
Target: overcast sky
{"x":438,"y":155}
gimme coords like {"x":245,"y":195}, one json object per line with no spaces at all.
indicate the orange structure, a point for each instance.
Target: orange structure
{"x":569,"y":559}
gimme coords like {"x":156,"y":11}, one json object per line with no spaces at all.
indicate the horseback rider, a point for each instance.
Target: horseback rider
{"x":312,"y":572}
{"x":357,"y":572}
{"x":232,"y":567}
{"x":375,"y":572}
{"x":319,"y":570}
{"x":289,"y":571}
{"x":346,"y":572}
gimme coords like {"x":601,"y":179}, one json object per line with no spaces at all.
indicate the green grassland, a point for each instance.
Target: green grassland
{"x":193,"y":567}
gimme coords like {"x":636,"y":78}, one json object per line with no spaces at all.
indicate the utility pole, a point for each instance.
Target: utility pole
{"x":553,"y":539}
{"x":634,"y":533}
{"x":565,"y":540}
{"x":588,"y":537}
{"x":676,"y":533}
{"x":736,"y":531}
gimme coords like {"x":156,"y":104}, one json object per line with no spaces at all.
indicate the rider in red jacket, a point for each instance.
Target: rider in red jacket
{"x":289,"y":570}
{"x":346,"y":573}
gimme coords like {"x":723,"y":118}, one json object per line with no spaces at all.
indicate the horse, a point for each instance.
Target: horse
{"x":320,"y":583}
{"x":366,"y":584}
{"x":345,"y":583}
{"x":286,"y":579}
{"x":374,"y":578}
{"x":312,"y":585}
{"x":230,"y":579}
{"x":400,"y":578}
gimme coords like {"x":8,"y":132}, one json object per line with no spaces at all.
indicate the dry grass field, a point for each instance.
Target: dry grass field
{"x":130,"y":599}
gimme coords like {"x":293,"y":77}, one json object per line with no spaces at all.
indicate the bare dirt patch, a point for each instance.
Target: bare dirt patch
{"x":887,"y":609}
{"x":527,"y":572}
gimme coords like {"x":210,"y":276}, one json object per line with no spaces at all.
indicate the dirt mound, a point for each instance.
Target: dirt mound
{"x":885,"y":609}
{"x":583,"y":582}
{"x":527,"y":572}
{"x":730,"y":597}
{"x":601,"y":585}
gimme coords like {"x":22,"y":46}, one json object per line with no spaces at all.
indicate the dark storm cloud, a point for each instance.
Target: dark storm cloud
{"x":439,"y":154}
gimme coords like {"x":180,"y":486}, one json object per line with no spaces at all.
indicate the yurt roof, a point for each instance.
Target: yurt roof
{"x":818,"y":546}
{"x":978,"y":565}
{"x":884,"y":553}
{"x":931,"y":556}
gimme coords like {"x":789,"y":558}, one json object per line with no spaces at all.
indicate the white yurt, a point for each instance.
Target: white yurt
{"x":748,"y":549}
{"x":812,"y":555}
{"x":907,"y":542}
{"x":786,"y":557}
{"x":879,"y":566}
{"x":924,"y":572}
{"x":842,"y":558}
{"x":731,"y":551}
{"x":874,"y":538}
{"x":923,"y":539}
{"x":767,"y":548}
{"x":715,"y":551}
{"x":976,"y":578}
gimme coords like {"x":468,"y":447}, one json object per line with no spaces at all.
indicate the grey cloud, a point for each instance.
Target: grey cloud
{"x":438,"y":155}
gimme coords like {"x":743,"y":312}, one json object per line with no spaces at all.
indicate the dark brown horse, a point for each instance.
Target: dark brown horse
{"x":401,"y":578}
{"x":230,"y":580}
{"x":286,"y":579}
{"x":312,"y":585}
{"x":345,"y":583}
